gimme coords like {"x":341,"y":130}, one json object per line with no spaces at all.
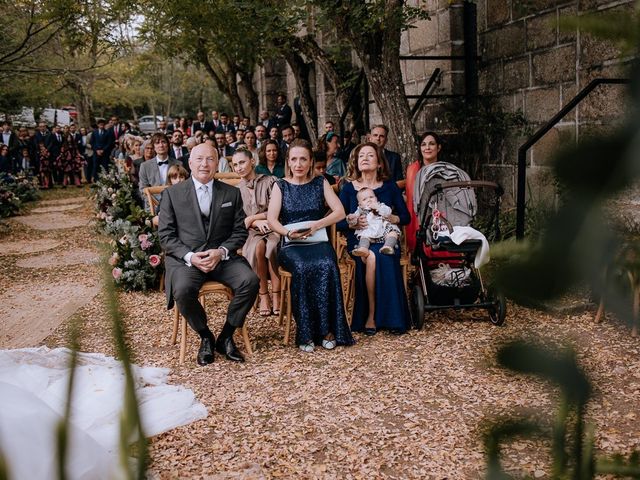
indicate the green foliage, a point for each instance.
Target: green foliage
{"x":15,"y":192}
{"x":571,"y":438}
{"x":481,"y":129}
{"x":619,"y":26}
{"x":136,"y":259}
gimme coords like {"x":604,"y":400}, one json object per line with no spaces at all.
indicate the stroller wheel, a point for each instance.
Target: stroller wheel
{"x":417,"y":307}
{"x":498,"y":311}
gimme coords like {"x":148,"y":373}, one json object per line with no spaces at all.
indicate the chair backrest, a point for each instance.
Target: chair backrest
{"x":152,"y":200}
{"x":229,"y":178}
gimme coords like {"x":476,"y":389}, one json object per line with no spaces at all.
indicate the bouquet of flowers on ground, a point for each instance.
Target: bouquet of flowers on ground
{"x":136,"y":260}
{"x":15,"y":191}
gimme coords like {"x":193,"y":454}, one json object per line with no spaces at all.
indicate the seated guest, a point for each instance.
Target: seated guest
{"x":430,"y":146}
{"x":23,"y":164}
{"x":201,"y":229}
{"x":330,"y":144}
{"x":154,"y":172}
{"x":239,"y":139}
{"x":270,"y":162}
{"x":316,"y":289}
{"x":320,"y":166}
{"x":230,"y":138}
{"x":250,"y":144}
{"x":261,"y":247}
{"x":380,"y":298}
{"x":177,"y":150}
{"x":224,"y":150}
{"x":274,"y":133}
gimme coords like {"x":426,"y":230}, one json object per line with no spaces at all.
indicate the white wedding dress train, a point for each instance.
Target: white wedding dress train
{"x":33,"y":395}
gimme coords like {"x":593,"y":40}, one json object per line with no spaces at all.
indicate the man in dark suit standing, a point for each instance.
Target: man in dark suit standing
{"x":283,"y":112}
{"x":102,"y":142}
{"x":201,"y":124}
{"x":225,"y":126}
{"x":201,"y":228}
{"x":379,"y":135}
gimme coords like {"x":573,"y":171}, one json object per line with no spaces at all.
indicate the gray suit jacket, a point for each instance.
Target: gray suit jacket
{"x":149,"y":175}
{"x":181,"y":229}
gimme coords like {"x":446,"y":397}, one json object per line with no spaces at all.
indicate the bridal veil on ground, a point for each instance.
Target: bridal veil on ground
{"x":33,"y":388}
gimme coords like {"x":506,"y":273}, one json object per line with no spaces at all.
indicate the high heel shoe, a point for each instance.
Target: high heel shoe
{"x":276,"y":310}
{"x":264,"y":312}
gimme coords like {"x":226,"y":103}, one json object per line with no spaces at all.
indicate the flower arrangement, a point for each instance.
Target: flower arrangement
{"x":14,"y":192}
{"x":136,"y":258}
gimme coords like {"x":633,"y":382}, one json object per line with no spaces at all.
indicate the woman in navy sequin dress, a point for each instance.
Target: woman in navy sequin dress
{"x":380,"y":297}
{"x":316,"y":290}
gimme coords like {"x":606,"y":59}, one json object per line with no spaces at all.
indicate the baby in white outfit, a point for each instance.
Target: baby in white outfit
{"x":378,"y":229}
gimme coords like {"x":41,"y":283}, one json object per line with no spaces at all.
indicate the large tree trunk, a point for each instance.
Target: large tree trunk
{"x":301,"y":74}
{"x":378,"y":52}
{"x":252,"y":101}
{"x":228,"y":85}
{"x":82,"y":93}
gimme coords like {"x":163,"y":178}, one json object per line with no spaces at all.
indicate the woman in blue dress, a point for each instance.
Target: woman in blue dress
{"x":316,"y":290}
{"x":380,"y":297}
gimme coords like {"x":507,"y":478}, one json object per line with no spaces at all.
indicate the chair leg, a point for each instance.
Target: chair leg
{"x":183,"y":338}
{"x":287,"y":331}
{"x":176,"y":322}
{"x":245,"y":338}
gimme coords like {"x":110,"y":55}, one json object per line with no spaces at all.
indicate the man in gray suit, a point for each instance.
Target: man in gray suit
{"x":154,"y":172}
{"x":201,"y":228}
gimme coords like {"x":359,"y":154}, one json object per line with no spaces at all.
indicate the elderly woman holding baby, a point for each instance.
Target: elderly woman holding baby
{"x":380,"y":297}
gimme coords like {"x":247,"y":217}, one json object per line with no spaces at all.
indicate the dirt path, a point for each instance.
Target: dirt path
{"x":48,"y":268}
{"x":389,"y":407}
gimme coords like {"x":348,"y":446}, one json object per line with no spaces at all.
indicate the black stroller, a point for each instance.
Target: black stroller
{"x":446,"y":274}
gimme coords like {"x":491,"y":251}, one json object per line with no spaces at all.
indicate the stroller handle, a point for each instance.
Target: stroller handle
{"x":470,"y":184}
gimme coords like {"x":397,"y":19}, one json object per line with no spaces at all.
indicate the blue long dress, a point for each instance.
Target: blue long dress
{"x":392,"y":309}
{"x":316,"y":291}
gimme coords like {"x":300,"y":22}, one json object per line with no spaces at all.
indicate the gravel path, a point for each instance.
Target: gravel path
{"x":389,"y":407}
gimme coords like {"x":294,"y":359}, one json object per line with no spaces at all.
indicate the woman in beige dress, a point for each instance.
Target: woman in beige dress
{"x":261,"y":247}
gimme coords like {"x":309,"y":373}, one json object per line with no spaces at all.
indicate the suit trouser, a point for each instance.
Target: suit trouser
{"x":235,"y":273}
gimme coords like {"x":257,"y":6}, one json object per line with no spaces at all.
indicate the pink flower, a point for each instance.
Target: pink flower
{"x":155,"y":260}
{"x":143,"y":237}
{"x":114,"y":259}
{"x":116,"y":272}
{"x":145,"y":244}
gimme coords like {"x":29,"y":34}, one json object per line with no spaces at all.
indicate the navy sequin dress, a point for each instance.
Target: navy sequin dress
{"x":316,"y":291}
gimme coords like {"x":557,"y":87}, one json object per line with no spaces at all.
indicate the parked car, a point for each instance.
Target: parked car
{"x":146,"y":123}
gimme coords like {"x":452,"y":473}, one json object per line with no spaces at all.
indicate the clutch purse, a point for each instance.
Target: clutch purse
{"x":318,"y":236}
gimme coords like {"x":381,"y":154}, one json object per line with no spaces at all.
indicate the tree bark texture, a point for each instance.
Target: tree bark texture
{"x":301,"y":74}
{"x":378,"y":52}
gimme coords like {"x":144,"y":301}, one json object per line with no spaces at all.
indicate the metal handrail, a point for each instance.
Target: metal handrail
{"x":522,"y":151}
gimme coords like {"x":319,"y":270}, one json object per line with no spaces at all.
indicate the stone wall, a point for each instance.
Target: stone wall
{"x":528,"y":64}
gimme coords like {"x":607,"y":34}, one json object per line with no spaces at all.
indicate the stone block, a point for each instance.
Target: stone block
{"x":541,"y":187}
{"x":504,"y":175}
{"x":567,"y":92}
{"x":544,"y":151}
{"x":491,"y":78}
{"x":516,"y":73}
{"x":586,"y":5}
{"x":565,"y":34}
{"x":555,"y":65}
{"x":542,"y":31}
{"x":404,"y":43}
{"x":498,"y":12}
{"x":444,"y":26}
{"x":594,"y":52}
{"x":606,"y":104}
{"x":423,"y":36}
{"x":508,"y":41}
{"x":456,"y":23}
{"x":541,"y":104}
